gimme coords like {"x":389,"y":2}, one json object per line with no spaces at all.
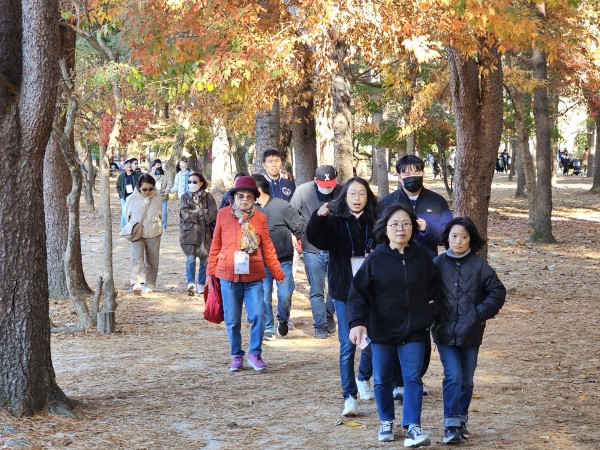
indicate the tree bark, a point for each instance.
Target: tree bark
{"x":221,"y":169}
{"x":592,"y":132}
{"x":543,"y":154}
{"x":476,"y":89}
{"x":267,"y":134}
{"x":596,"y":167}
{"x":380,"y":167}
{"x":343,"y":149}
{"x":304,"y":136}
{"x":28,"y":65}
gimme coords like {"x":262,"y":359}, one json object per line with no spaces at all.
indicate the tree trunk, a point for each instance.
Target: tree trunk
{"x":553,"y":104}
{"x":592,"y":133}
{"x":304,"y":136}
{"x":89,"y":179}
{"x":476,"y":89}
{"x":221,"y":169}
{"x":595,"y":168}
{"x":267,"y":134}
{"x":380,"y":159}
{"x":343,"y":150}
{"x":543,"y":154}
{"x":28,"y":80}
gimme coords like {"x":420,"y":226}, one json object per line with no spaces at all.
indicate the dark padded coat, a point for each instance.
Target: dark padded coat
{"x":472,"y":294}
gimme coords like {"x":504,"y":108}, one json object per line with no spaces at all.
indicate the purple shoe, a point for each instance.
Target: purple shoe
{"x":237,"y":363}
{"x":256,"y":362}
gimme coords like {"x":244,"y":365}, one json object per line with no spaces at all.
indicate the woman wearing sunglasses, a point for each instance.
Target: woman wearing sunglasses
{"x":197,"y":213}
{"x":241,"y":247}
{"x":145,"y":206}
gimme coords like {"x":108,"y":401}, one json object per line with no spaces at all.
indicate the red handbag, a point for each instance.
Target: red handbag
{"x":213,"y":308}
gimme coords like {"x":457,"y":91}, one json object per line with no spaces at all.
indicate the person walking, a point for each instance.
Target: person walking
{"x":144,"y":206}
{"x":472,"y":294}
{"x":240,"y":250}
{"x":163,"y":184}
{"x":180,"y":184}
{"x":284,"y":222}
{"x":345,"y":229}
{"x":308,"y":198}
{"x":280,"y":187}
{"x":393,"y":300}
{"x":126,"y":184}
{"x":198,"y":214}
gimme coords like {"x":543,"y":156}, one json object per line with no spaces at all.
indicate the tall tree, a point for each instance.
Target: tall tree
{"x":28,"y":80}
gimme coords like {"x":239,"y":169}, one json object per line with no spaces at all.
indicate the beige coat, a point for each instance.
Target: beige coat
{"x":134,"y":210}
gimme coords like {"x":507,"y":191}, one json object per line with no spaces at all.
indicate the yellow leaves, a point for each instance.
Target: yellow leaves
{"x":421,"y":48}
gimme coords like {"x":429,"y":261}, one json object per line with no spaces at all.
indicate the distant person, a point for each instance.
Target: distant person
{"x":240,"y":250}
{"x":144,"y":206}
{"x":345,"y":228}
{"x":227,"y":200}
{"x":198,"y":214}
{"x":565,"y":162}
{"x":394,"y":300}
{"x":308,"y":198}
{"x":433,"y":213}
{"x":126,"y":184}
{"x":472,"y":294}
{"x":162,"y":186}
{"x":182,"y":175}
{"x":280,"y":187}
{"x":584,"y":161}
{"x":284,"y":222}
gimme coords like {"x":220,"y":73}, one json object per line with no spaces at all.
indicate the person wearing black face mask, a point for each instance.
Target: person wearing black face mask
{"x":432,"y":213}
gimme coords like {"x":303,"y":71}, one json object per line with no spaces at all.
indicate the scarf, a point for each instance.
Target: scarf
{"x":249,"y":241}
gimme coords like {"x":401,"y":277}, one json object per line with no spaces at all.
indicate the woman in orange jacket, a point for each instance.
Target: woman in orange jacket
{"x":240,"y":249}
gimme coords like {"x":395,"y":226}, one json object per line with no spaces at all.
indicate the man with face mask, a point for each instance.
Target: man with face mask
{"x":307,"y":198}
{"x":432,"y":213}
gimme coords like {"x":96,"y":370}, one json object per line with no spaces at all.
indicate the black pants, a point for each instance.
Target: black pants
{"x":397,"y":380}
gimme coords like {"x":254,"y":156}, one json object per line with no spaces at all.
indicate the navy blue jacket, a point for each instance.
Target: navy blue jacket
{"x":281,"y":188}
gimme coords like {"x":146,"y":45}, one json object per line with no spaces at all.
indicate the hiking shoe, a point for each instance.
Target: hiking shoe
{"x":399,"y":393}
{"x":191,"y":289}
{"x":463,"y":430}
{"x":452,"y":435}
{"x":146,"y":289}
{"x":350,"y":407}
{"x":331,"y":324}
{"x":282,"y":328}
{"x":386,"y":432}
{"x":137,"y":288}
{"x":416,"y":438}
{"x":256,"y":362}
{"x":200,"y":289}
{"x":237,"y":362}
{"x":269,"y":336}
{"x":365,"y":391}
{"x":320,"y":333}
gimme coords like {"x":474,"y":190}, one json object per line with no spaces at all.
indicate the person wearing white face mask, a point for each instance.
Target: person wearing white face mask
{"x":307,"y":198}
{"x":198,"y":214}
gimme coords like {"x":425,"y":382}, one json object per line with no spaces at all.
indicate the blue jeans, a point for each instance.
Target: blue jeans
{"x":251,"y":295}
{"x":347,"y":352}
{"x":123,"y":220}
{"x":315,"y":265}
{"x":190,"y":269}
{"x":165,"y":212}
{"x":457,"y":388}
{"x":285,"y":290}
{"x":411,"y":358}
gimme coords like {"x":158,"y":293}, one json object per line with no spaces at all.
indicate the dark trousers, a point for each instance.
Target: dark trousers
{"x":397,"y":379}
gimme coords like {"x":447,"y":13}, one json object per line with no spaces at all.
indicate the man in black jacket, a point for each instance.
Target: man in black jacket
{"x":283,"y":222}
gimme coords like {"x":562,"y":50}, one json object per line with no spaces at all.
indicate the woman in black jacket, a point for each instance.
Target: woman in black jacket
{"x":345,"y":229}
{"x":394,"y":298}
{"x":472,"y":294}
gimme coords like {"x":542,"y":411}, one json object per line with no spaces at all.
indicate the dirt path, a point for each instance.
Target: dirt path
{"x":162,"y":380}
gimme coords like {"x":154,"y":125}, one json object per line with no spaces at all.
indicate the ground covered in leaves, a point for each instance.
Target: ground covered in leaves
{"x":162,"y":380}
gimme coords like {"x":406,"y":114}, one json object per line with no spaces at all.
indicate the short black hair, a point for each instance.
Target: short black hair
{"x":380,"y":229}
{"x":156,"y":161}
{"x":145,"y":178}
{"x":409,"y":161}
{"x":240,"y":174}
{"x":271,"y":153}
{"x":340,"y":205}
{"x":262,"y":183}
{"x":477,"y":241}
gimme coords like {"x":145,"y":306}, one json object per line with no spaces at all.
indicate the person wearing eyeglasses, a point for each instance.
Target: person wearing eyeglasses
{"x":144,"y":206}
{"x":393,"y":300}
{"x":197,"y":213}
{"x":240,"y":250}
{"x":126,"y":183}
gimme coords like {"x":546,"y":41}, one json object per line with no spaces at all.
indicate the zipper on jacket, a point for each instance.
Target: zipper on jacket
{"x":406,"y":292}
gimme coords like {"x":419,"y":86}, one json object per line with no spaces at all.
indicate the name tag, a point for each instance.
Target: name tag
{"x":158,"y":185}
{"x":129,"y":189}
{"x":241,"y":263}
{"x":356,"y":262}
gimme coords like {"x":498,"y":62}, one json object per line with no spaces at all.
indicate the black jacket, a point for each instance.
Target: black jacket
{"x":430,"y":206}
{"x":472,"y":294}
{"x":395,"y":295}
{"x":339,"y":235}
{"x":283,"y":221}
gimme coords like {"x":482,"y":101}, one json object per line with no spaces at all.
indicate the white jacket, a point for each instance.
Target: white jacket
{"x":134,"y":210}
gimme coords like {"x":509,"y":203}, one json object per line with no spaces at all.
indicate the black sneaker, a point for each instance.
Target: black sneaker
{"x":452,"y":435}
{"x":386,"y":432}
{"x":282,"y":328}
{"x":320,"y":333}
{"x":331,"y":324}
{"x":416,"y":438}
{"x":463,"y":430}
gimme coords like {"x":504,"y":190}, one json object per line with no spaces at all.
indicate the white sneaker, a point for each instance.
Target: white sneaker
{"x":350,"y":407}
{"x":416,"y":438}
{"x":200,"y":289}
{"x":137,"y":288}
{"x":191,"y":289}
{"x":365,"y":391}
{"x":146,"y":289}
